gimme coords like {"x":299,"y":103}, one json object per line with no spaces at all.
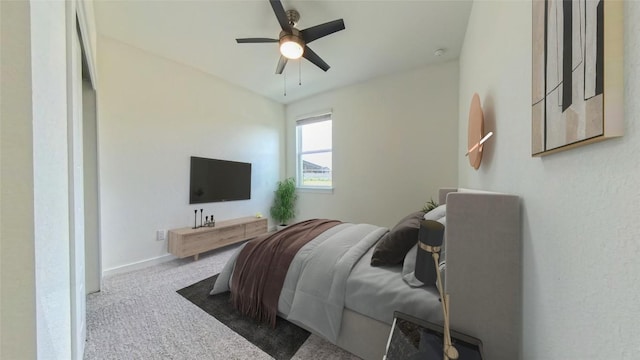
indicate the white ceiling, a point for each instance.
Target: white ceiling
{"x":381,"y":37}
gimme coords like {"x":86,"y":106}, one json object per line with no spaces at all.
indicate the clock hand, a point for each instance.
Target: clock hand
{"x":485,"y":138}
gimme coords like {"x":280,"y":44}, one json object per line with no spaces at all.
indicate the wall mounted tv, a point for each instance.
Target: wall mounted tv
{"x":215,"y":180}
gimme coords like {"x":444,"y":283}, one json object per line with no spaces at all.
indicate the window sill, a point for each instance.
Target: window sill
{"x":308,"y":189}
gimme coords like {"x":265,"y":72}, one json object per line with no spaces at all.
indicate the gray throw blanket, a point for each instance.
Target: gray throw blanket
{"x":261,"y":268}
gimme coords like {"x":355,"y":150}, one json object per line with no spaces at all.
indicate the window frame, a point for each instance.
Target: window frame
{"x":307,"y":120}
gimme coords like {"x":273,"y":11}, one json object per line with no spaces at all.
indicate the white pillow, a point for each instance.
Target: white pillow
{"x":437,"y":213}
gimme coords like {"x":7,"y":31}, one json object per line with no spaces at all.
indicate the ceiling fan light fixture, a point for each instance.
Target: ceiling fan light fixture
{"x":291,"y":46}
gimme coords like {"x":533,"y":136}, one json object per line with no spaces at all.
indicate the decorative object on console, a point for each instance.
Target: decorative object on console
{"x":430,"y":242}
{"x":206,"y":223}
{"x":284,"y":202}
{"x":577,"y":74}
{"x":475,"y":133}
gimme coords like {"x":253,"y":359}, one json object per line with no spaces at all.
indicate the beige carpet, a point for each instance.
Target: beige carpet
{"x":139,"y":315}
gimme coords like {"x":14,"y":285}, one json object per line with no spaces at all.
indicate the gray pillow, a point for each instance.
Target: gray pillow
{"x":409,"y":266}
{"x":393,"y":247}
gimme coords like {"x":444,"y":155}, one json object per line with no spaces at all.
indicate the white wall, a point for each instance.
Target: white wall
{"x":51,"y":177}
{"x":153,"y":114}
{"x":393,"y":145}
{"x":91,"y":201}
{"x":581,"y":231}
{"x":87,"y":25}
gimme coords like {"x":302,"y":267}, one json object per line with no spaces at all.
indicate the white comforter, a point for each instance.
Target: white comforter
{"x":313,"y":293}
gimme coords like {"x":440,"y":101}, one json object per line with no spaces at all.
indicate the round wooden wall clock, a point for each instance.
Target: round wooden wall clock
{"x":475,"y":133}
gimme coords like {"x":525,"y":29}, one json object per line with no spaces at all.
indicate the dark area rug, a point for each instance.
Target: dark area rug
{"x":281,"y":343}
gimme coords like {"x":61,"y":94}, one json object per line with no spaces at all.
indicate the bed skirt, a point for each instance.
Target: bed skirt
{"x":361,"y":335}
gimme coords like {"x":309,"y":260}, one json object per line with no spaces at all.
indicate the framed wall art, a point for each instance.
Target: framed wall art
{"x":577,"y":79}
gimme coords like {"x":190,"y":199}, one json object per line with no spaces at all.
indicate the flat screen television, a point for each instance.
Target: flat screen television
{"x":214,"y":180}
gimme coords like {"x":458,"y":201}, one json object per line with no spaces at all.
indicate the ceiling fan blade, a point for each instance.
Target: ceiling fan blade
{"x":281,"y":63}
{"x":318,"y":31}
{"x":255,"y":40}
{"x":281,"y":15}
{"x":315,"y":59}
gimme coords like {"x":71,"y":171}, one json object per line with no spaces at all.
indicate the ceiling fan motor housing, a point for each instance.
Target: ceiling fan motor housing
{"x":293,"y":16}
{"x":294,"y":32}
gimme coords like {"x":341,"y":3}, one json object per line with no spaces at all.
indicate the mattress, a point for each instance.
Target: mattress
{"x":377,"y":292}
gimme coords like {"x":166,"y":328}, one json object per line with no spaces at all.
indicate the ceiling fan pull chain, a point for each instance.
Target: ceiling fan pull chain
{"x":299,"y":72}
{"x":285,"y":82}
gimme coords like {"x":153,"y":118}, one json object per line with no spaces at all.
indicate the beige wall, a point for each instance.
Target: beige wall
{"x":581,"y":233}
{"x":393,"y":145}
{"x":153,"y":114}
{"x":17,"y":258}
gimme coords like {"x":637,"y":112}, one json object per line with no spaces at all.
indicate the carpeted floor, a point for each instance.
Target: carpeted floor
{"x":281,"y":342}
{"x":139,"y":315}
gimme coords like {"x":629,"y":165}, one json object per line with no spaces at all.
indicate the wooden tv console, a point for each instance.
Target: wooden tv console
{"x":192,"y":242}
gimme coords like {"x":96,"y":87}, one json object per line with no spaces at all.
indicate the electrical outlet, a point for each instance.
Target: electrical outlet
{"x":161,"y":235}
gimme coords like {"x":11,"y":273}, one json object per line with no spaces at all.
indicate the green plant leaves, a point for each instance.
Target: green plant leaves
{"x":283,"y":208}
{"x":430,"y":205}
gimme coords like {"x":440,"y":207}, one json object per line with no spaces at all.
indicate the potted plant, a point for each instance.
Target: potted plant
{"x":283,"y":208}
{"x":430,"y":205}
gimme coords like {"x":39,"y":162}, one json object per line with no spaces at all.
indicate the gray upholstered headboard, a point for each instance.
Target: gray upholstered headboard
{"x":484,"y":268}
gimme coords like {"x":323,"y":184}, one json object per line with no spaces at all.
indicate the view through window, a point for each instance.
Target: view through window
{"x":314,"y":152}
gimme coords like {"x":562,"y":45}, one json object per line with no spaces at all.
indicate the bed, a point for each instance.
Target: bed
{"x":351,"y":303}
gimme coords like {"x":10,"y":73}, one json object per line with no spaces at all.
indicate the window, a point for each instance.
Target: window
{"x":314,"y":155}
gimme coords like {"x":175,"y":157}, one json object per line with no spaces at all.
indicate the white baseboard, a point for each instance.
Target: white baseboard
{"x":138,"y":265}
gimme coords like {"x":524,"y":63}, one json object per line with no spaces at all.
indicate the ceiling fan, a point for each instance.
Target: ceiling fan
{"x":293,"y":42}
